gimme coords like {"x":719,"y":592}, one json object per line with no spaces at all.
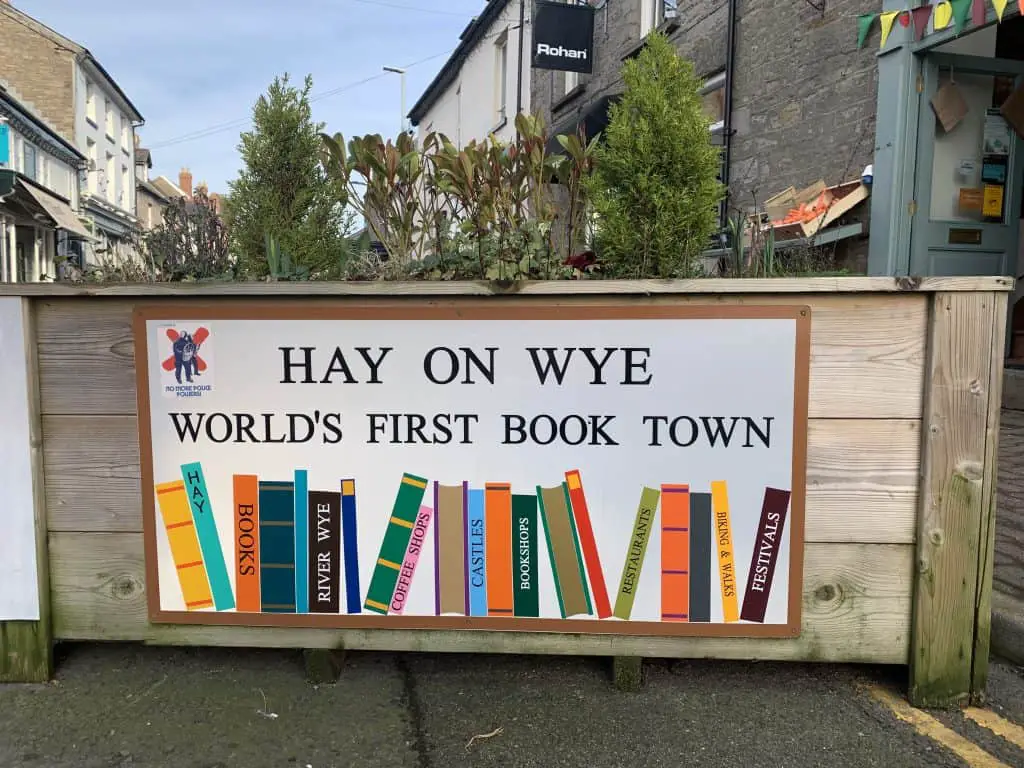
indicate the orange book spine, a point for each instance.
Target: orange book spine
{"x":498,"y":530}
{"x":675,"y":553}
{"x":184,"y":542}
{"x":247,"y":543}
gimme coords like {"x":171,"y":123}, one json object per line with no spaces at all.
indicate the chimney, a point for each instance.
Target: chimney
{"x":185,"y":182}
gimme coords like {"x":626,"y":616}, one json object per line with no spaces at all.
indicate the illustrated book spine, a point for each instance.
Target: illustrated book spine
{"x":209,"y":540}
{"x":724,"y":547}
{"x":247,"y":543}
{"x":417,"y":542}
{"x":476,"y":568}
{"x":277,"y":546}
{"x":302,"y":541}
{"x":700,"y":557}
{"x":675,"y":552}
{"x":526,"y":594}
{"x":767,"y":544}
{"x":353,"y":603}
{"x":581,"y":513}
{"x":554,"y":514}
{"x":324,"y":561}
{"x":637,"y":551}
{"x":450,"y":527}
{"x":172,"y":499}
{"x":396,"y":541}
{"x":499,"y":557}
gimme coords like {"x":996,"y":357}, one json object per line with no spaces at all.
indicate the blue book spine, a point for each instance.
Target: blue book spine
{"x":301,"y":541}
{"x":476,"y":575}
{"x":209,"y":541}
{"x":350,"y":544}
{"x":277,"y":547}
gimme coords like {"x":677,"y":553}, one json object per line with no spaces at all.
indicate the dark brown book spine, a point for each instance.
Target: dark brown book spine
{"x":766,"y":554}
{"x":324,"y":552}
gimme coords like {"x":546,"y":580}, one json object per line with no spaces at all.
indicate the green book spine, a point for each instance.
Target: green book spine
{"x":579,"y":549}
{"x":395,"y":543}
{"x":525,"y":597}
{"x":551,"y":550}
{"x":637,"y":551}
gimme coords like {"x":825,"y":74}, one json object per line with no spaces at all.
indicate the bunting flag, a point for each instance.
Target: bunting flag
{"x":961,"y":9}
{"x":887,"y":20}
{"x":864,"y":22}
{"x":921,"y":16}
{"x":944,"y":14}
{"x":905,"y":19}
{"x":978,"y":12}
{"x":1000,"y":6}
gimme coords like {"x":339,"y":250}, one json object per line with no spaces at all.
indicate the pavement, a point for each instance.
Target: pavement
{"x":128,"y":706}
{"x":1008,"y":571}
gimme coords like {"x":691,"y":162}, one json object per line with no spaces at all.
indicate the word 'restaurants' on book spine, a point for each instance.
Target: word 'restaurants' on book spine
{"x":636,"y":553}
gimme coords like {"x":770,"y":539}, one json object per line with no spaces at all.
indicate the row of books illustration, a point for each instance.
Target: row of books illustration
{"x":293,"y":545}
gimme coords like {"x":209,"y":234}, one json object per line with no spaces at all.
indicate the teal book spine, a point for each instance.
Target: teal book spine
{"x":301,"y":541}
{"x":525,"y":594}
{"x":277,"y":547}
{"x":396,"y":541}
{"x":209,"y":541}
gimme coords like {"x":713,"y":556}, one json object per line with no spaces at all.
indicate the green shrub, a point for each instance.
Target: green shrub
{"x":654,"y":189}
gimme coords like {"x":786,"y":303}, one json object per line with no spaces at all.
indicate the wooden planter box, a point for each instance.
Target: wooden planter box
{"x":902,"y":423}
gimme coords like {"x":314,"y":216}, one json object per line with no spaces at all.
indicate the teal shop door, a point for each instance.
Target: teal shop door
{"x":969,"y":181}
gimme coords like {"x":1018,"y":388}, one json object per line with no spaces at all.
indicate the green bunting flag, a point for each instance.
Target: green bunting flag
{"x":864,"y":22}
{"x":961,"y":10}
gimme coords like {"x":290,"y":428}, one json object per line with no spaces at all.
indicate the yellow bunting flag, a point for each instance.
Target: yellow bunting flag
{"x":944,"y":14}
{"x":1000,"y":6}
{"x":887,"y":20}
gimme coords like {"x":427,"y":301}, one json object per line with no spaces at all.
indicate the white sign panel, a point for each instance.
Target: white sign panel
{"x":19,"y":577}
{"x":631,"y":470}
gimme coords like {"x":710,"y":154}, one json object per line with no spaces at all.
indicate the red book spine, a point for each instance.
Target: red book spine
{"x":588,"y":543}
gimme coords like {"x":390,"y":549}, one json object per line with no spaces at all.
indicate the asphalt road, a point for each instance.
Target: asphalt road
{"x":122,"y":705}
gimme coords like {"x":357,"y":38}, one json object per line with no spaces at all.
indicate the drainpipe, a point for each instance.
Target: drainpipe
{"x":730,"y":62}
{"x":519,"y":67}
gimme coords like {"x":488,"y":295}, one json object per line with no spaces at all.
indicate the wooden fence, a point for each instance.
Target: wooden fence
{"x":903,"y":422}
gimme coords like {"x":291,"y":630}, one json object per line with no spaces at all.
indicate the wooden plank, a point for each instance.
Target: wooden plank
{"x":867,"y":354}
{"x":987,"y":532}
{"x":790,"y":285}
{"x":861,"y":477}
{"x":857,"y":601}
{"x":26,"y":647}
{"x":953,"y":474}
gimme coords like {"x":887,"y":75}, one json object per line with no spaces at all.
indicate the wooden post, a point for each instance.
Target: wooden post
{"x":26,"y":636}
{"x":952,"y":583}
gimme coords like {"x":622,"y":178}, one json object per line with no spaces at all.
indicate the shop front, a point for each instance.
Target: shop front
{"x":949,"y":162}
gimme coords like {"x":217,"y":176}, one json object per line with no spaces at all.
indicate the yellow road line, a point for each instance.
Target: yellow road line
{"x":928,"y":726}
{"x":1000,"y":726}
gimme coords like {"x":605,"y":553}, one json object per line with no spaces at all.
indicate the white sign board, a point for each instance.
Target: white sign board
{"x":629,"y":470}
{"x":19,"y":576}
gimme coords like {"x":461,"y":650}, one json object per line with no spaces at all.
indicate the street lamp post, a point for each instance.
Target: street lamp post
{"x":401,"y":73}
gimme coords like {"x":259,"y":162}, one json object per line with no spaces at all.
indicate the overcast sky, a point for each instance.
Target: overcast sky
{"x":192,"y":65}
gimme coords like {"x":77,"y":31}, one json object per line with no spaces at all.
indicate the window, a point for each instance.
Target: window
{"x":109,"y":126}
{"x":654,"y":12}
{"x":501,"y":73}
{"x":713,"y":97}
{"x":28,"y":160}
{"x":126,"y":140}
{"x":93,"y":166}
{"x":110,"y":181}
{"x":125,"y":188}
{"x":90,"y":102}
{"x":572,"y":79}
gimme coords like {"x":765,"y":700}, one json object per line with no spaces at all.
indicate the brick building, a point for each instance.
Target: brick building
{"x":792,"y":104}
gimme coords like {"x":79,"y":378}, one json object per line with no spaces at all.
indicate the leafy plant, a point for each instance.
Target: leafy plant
{"x":654,"y":188}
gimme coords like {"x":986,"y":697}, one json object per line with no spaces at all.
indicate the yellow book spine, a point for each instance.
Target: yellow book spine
{"x":184,"y":543}
{"x":723,"y":542}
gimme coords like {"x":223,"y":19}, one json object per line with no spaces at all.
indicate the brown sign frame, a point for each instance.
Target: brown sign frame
{"x":430,"y":309}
